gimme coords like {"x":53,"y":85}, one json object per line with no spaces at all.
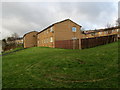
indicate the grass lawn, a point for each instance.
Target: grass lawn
{"x":41,"y":67}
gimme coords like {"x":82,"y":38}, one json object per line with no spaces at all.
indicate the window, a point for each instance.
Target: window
{"x":93,"y":33}
{"x":38,"y":42}
{"x":117,"y":30}
{"x":51,"y":39}
{"x":33,"y":35}
{"x":106,"y":32}
{"x":100,"y":33}
{"x":112,"y":31}
{"x":73,"y":29}
{"x":74,"y":38}
{"x":51,"y":29}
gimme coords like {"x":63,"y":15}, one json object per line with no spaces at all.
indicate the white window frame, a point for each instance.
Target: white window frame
{"x":117,"y":30}
{"x":74,"y":29}
{"x":38,"y":42}
{"x":51,"y":29}
{"x":100,"y":33}
{"x":106,"y":32}
{"x":112,"y":31}
{"x":51,"y":39}
{"x":74,"y":38}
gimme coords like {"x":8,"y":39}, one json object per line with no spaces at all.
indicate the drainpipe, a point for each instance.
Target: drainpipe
{"x":80,"y":42}
{"x":74,"y":41}
{"x":73,"y":36}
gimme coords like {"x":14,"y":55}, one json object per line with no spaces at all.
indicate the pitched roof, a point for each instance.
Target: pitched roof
{"x":58,"y":23}
{"x":28,"y":33}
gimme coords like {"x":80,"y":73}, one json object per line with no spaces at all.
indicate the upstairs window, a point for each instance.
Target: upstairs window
{"x":112,"y":31}
{"x":93,"y":34}
{"x":73,"y":29}
{"x":33,"y":35}
{"x":51,"y":29}
{"x":106,"y":32}
{"x":38,"y":42}
{"x":117,"y":30}
{"x":51,"y":39}
{"x":100,"y":33}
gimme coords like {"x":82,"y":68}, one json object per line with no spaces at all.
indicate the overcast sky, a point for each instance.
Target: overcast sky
{"x":23,"y":17}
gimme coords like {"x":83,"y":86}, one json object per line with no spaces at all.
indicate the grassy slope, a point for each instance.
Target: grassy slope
{"x":50,"y":67}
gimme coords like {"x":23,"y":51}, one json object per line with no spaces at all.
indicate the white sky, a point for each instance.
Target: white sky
{"x":23,"y":17}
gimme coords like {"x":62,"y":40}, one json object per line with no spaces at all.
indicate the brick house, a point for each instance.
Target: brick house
{"x":19,"y":40}
{"x":101,"y":32}
{"x":67,"y":34}
{"x":30,"y":39}
{"x":63,"y":31}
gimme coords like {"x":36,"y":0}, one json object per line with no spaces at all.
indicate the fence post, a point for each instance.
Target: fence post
{"x":79,"y":43}
{"x":73,"y":43}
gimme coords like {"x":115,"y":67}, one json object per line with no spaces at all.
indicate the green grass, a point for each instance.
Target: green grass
{"x":40,"y":67}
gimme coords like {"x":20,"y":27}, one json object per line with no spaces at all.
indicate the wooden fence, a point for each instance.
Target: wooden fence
{"x":85,"y":43}
{"x":67,"y":44}
{"x":96,"y":41}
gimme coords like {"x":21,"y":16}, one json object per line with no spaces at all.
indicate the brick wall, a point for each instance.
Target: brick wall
{"x":30,"y":39}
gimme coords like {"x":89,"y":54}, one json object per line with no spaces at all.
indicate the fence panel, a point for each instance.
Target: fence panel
{"x":67,"y":44}
{"x":85,"y":43}
{"x":96,"y":41}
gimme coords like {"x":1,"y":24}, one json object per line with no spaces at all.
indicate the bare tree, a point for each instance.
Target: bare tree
{"x":82,"y":29}
{"x":108,"y":25}
{"x":3,"y":44}
{"x":15,"y":35}
{"x":11,"y":41}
